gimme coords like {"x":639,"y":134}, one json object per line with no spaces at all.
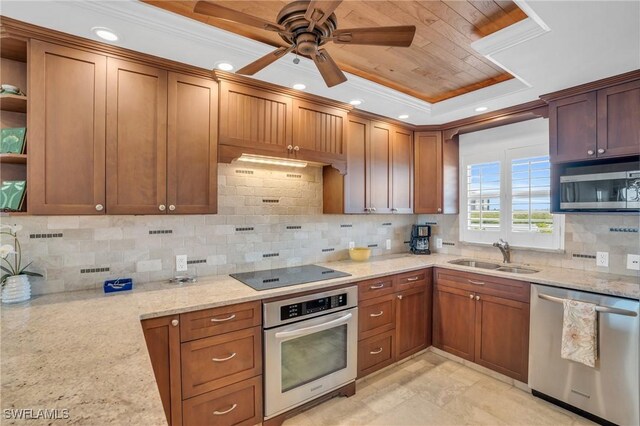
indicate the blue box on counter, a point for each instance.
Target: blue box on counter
{"x":120,"y":284}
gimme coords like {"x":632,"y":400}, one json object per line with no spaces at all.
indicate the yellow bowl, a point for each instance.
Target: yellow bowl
{"x":359,"y":254}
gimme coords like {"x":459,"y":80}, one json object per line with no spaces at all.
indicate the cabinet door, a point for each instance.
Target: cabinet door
{"x":453,"y":321}
{"x":192,"y":154}
{"x":379,"y":168}
{"x":572,"y":128}
{"x":66,"y":124}
{"x":355,"y":181}
{"x":402,"y":171}
{"x":136,"y":138}
{"x":502,"y":336}
{"x":318,"y":132}
{"x":619,"y":120}
{"x":259,"y":121}
{"x":162,"y":336}
{"x":411,"y":321}
{"x":428,"y":172}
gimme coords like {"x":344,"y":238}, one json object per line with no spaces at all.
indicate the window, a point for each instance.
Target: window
{"x":505,"y":187}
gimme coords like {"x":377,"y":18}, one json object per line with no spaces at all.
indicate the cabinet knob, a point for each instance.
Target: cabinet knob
{"x":600,"y":150}
{"x":175,"y":322}
{"x":162,"y":207}
{"x":439,"y":210}
{"x":590,"y":152}
{"x":400,"y":296}
{"x":373,"y":209}
{"x":99,"y":207}
{"x":366,"y":209}
{"x":289,"y":147}
{"x":296,"y":148}
{"x":172,"y":207}
{"x":471,"y":296}
{"x":477,"y":297}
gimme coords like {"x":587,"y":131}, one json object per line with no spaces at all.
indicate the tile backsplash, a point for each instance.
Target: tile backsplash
{"x":269,"y":218}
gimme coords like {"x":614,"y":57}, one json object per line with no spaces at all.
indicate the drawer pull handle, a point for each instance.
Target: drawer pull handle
{"x":376,"y":352}
{"x":476,"y":282}
{"x":223,"y":359}
{"x":377,"y":286}
{"x":376,"y":315}
{"x":413,"y":279}
{"x":230,"y":317}
{"x":220,"y":413}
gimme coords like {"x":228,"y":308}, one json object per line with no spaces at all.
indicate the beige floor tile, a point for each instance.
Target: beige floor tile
{"x":416,"y":411}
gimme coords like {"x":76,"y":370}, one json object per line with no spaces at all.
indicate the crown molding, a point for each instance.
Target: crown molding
{"x":593,"y":85}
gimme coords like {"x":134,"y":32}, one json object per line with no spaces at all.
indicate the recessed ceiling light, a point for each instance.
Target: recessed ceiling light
{"x":356,"y":102}
{"x":105,"y":33}
{"x":299,"y":86}
{"x":224,"y":66}
{"x":403,"y":116}
{"x":480,"y":109}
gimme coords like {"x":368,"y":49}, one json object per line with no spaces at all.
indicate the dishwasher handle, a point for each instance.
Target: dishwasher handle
{"x":601,"y":309}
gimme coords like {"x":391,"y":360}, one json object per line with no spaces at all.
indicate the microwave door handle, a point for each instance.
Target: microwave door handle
{"x":314,"y":328}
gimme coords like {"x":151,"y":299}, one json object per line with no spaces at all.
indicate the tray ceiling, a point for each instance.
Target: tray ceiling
{"x":439,"y":65}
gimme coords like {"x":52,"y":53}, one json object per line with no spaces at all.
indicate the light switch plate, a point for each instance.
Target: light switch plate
{"x":388,"y":244}
{"x":633,"y":262}
{"x":438,"y":242}
{"x":602,"y":258}
{"x":181,"y":262}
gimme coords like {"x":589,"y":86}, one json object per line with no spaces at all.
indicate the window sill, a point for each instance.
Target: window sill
{"x":517,"y":248}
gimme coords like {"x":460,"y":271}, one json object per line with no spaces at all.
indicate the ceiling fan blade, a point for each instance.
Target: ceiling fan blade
{"x":330,"y":72}
{"x":401,"y":36}
{"x":319,"y":11}
{"x":221,"y":12}
{"x":266,"y":60}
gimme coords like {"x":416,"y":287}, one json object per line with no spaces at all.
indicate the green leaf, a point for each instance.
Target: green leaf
{"x":7,"y":271}
{"x":4,"y":277}
{"x":31,"y":274}
{"x":25,"y":267}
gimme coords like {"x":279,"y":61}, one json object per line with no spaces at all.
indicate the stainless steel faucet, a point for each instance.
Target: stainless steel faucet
{"x":505,"y":249}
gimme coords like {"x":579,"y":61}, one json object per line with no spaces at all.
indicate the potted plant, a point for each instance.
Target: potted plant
{"x":15,"y":278}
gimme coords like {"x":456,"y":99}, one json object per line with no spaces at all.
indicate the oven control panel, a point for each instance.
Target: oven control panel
{"x":308,"y":307}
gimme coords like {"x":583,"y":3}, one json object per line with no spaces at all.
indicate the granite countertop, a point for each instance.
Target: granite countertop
{"x":85,"y":351}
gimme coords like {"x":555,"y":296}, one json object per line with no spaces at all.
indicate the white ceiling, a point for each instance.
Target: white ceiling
{"x":561,"y":44}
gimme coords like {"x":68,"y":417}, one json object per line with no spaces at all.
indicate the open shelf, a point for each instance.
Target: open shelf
{"x":14,"y":103}
{"x":13,"y":158}
{"x":14,"y":49}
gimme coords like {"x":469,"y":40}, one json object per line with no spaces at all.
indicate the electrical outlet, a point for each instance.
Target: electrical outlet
{"x":602,"y":259}
{"x":633,"y":262}
{"x":438,"y":242}
{"x":181,"y":262}
{"x":388,"y":244}
{"x":351,"y":244}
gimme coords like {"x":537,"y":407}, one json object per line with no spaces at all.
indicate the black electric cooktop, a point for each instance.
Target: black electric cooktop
{"x":283,"y":277}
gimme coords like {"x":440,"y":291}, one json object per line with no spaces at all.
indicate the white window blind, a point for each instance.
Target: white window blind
{"x":531,"y":195}
{"x":483,"y":196}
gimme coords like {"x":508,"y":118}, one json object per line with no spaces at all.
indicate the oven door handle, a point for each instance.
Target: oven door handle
{"x":313,"y":328}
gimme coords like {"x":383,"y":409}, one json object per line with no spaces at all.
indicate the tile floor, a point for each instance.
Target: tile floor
{"x":431,"y":390}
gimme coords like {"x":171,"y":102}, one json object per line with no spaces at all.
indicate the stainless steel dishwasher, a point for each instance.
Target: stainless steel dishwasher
{"x":611,"y":390}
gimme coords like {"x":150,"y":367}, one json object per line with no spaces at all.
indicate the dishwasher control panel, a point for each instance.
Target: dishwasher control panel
{"x":312,"y":306}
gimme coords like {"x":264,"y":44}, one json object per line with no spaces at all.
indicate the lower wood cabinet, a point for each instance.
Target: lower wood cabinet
{"x":483,"y":319}
{"x":394,"y":318}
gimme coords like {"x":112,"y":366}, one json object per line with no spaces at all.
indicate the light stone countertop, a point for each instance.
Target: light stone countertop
{"x":85,"y":351}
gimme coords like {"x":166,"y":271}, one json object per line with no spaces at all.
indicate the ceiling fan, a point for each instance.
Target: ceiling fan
{"x":306,"y":26}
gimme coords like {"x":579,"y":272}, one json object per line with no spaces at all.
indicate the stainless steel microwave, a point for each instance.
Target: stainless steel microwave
{"x":601,"y":189}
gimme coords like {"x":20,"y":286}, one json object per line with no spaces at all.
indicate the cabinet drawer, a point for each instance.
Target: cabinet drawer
{"x":237,"y":404}
{"x":376,"y":316}
{"x":375,"y":353}
{"x":211,"y":322}
{"x":413,"y":279}
{"x":376,"y":287}
{"x":214,"y":362}
{"x":484,"y":284}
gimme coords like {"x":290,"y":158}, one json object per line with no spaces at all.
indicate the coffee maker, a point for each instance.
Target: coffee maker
{"x":420,"y":235}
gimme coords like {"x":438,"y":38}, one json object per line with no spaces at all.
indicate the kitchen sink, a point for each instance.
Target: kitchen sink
{"x":493,"y":266}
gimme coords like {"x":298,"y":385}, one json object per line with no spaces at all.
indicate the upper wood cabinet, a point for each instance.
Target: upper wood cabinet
{"x":436,"y":174}
{"x":136,"y":138}
{"x":595,"y":124}
{"x":379,"y":176}
{"x":257,"y":120}
{"x":66,"y":125}
{"x":192,"y":144}
{"x":319,"y":132}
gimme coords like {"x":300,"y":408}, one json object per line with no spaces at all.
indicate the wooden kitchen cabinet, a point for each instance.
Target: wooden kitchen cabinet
{"x":483,"y":319}
{"x":572,"y":128}
{"x":66,"y":123}
{"x":435,"y":174}
{"x":619,"y":120}
{"x":319,"y":132}
{"x":379,"y":176}
{"x":412,"y":307}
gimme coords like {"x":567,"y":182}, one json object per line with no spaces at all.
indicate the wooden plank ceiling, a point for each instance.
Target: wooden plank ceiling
{"x":440,"y":63}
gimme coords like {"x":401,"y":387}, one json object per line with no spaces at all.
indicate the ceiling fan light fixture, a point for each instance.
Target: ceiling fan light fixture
{"x":224,"y":66}
{"x":403,"y":116}
{"x":481,"y":109}
{"x":105,"y":33}
{"x":356,"y":102}
{"x":299,"y":86}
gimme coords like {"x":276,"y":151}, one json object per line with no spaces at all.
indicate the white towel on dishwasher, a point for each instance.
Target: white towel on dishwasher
{"x":580,"y":332}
